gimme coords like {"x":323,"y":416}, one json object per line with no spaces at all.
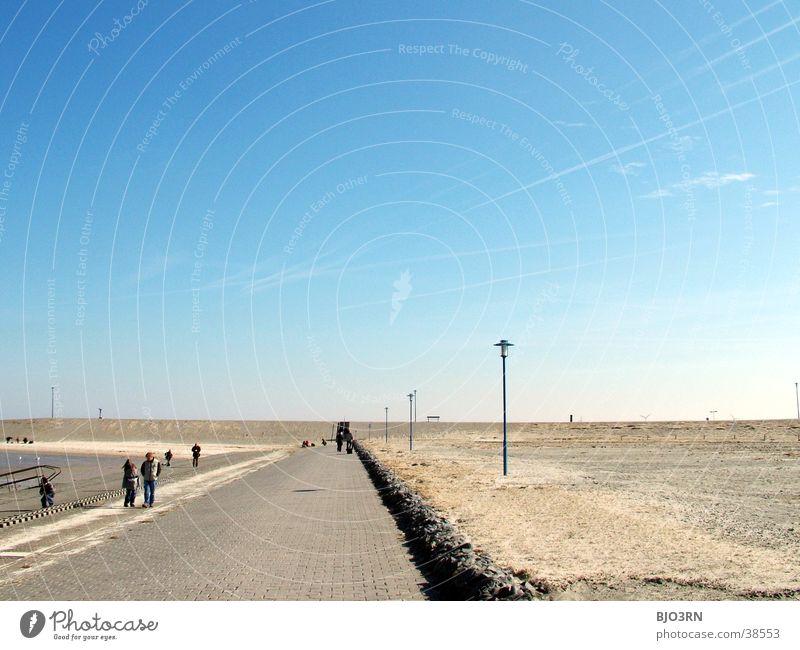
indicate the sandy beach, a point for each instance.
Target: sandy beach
{"x":621,"y":510}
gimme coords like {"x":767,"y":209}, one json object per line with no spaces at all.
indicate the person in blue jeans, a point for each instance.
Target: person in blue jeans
{"x":47,"y":492}
{"x":149,"y":472}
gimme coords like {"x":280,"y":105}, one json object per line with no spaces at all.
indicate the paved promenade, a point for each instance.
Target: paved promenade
{"x":309,"y":527}
{"x":85,"y":475}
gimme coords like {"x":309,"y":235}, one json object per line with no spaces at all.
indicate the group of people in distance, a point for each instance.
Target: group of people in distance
{"x":344,"y":437}
{"x":132,"y":479}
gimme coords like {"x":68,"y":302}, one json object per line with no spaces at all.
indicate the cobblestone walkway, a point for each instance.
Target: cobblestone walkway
{"x":309,"y":527}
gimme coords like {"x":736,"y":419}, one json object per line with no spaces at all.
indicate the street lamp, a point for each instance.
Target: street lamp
{"x":411,"y":421}
{"x":713,"y":415}
{"x":415,"y":405}
{"x":386,"y":408}
{"x":504,"y":345}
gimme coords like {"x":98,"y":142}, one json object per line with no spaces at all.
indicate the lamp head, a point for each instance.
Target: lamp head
{"x":503,"y":345}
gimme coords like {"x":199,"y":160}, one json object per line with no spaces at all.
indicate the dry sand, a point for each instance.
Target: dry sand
{"x":621,"y":510}
{"x":163,"y":433}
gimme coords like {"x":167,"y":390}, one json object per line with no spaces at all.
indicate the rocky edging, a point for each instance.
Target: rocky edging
{"x":61,"y":507}
{"x":455,"y":569}
{"x":13,"y":520}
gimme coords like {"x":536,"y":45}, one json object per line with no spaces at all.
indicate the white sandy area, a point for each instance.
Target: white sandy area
{"x":136,"y":449}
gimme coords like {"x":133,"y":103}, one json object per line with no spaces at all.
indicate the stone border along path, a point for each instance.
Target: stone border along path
{"x":61,"y":507}
{"x":458,"y":571}
{"x":308,"y":527}
{"x":179,"y":470}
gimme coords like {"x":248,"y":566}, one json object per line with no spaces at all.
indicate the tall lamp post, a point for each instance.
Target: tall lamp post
{"x":797,"y":398}
{"x":411,"y":421}
{"x":386,"y":430}
{"x":504,"y":345}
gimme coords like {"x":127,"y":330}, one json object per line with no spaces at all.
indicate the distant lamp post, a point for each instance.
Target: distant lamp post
{"x":386,"y":429}
{"x":100,"y":414}
{"x":415,"y":405}
{"x":411,"y":421}
{"x":504,"y":345}
{"x":797,"y":399}
{"x":713,"y":415}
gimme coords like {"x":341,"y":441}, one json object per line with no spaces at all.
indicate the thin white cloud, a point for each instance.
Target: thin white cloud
{"x":789,"y":190}
{"x":656,"y":194}
{"x":768,"y":204}
{"x":570,"y":125}
{"x":714,"y":180}
{"x":628,"y":169}
{"x":709,"y":180}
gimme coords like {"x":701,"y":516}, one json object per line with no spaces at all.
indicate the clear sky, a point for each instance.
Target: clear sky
{"x":302,"y":210}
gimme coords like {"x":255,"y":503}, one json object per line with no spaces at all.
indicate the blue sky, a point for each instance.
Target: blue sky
{"x":303,"y":210}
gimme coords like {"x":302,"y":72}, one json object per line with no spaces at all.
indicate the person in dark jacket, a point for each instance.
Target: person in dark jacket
{"x":48,"y":492}
{"x":130,"y":482}
{"x":168,"y":457}
{"x":339,"y":441}
{"x":150,"y":471}
{"x":348,"y":438}
{"x":195,"y":455}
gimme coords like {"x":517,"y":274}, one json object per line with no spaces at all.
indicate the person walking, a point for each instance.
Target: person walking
{"x":339,"y":440}
{"x":168,"y":457}
{"x":48,"y":492}
{"x":130,"y":482}
{"x":348,"y":438}
{"x":150,"y":471}
{"x":195,"y":455}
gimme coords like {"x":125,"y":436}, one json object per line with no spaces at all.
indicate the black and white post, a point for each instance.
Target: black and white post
{"x":411,"y":421}
{"x":504,"y":345}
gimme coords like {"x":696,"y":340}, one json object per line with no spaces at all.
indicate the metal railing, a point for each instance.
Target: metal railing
{"x":18,"y":477}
